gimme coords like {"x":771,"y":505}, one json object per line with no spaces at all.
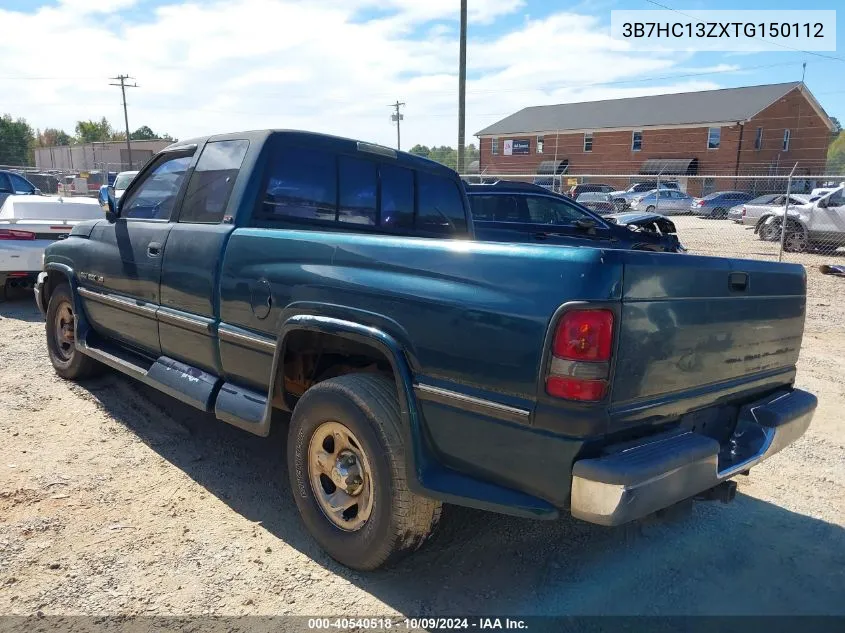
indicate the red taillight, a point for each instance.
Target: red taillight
{"x":581,"y":351}
{"x":14,"y":234}
{"x":575,"y":389}
{"x":699,"y":203}
{"x":584,"y":335}
{"x":743,"y":211}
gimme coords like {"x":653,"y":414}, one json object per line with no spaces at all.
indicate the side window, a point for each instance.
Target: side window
{"x":836,"y":200}
{"x":357,"y":181}
{"x":397,"y":197}
{"x":154,"y":198}
{"x":496,"y":208}
{"x":212,"y":181}
{"x":302,"y":184}
{"x":20,"y":185}
{"x":545,"y":210}
{"x":5,"y":185}
{"x":441,"y":206}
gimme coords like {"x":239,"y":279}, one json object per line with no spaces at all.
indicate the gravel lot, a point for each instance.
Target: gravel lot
{"x":115,"y":499}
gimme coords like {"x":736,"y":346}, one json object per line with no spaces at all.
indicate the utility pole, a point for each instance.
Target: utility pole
{"x":398,"y":117}
{"x":462,"y":87}
{"x":123,"y":86}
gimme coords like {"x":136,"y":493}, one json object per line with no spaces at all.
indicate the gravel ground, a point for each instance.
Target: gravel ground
{"x":115,"y":499}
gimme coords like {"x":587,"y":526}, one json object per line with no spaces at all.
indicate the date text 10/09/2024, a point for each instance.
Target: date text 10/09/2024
{"x":413,"y":624}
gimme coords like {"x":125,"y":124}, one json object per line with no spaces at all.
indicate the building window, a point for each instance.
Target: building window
{"x":636,"y":141}
{"x":588,"y":141}
{"x":494,"y":146}
{"x":786,"y":140}
{"x":758,"y":140}
{"x":539,"y":144}
{"x":714,"y":137}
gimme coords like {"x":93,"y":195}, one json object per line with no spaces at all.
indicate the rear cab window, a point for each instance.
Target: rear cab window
{"x":324,"y":190}
{"x":212,"y":181}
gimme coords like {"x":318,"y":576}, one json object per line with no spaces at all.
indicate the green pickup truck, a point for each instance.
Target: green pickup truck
{"x":278,"y":271}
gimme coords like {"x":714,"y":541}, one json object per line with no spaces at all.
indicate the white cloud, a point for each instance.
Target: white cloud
{"x":325,"y":65}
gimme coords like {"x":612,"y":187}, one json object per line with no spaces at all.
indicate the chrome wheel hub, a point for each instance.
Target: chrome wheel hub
{"x":340,"y":476}
{"x":64,"y":331}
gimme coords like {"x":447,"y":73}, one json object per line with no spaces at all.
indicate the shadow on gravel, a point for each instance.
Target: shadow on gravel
{"x":750,"y":557}
{"x":20,"y":306}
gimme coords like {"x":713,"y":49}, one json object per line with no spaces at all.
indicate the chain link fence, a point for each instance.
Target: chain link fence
{"x":69,"y":182}
{"x":717,"y":214}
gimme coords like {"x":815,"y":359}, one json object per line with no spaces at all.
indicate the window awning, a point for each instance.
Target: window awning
{"x":552,"y":168}
{"x":547,"y":170}
{"x":670,"y":167}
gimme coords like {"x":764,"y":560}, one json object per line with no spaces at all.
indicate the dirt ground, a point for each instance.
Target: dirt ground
{"x":115,"y":499}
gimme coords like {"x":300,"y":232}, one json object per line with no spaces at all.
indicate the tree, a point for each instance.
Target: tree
{"x":837,"y":126}
{"x":144,"y":133}
{"x":51,"y":136}
{"x":16,"y":141}
{"x":836,"y":155}
{"x":420,"y":150}
{"x":94,"y":131}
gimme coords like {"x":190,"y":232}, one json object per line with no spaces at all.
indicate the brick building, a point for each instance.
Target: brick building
{"x":751,"y":130}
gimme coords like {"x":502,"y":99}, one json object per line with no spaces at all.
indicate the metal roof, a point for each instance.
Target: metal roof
{"x":685,"y":108}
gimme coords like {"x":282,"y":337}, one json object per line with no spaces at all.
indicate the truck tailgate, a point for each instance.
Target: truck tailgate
{"x":694,"y":332}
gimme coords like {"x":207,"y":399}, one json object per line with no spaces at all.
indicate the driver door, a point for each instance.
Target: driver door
{"x":123,"y":271}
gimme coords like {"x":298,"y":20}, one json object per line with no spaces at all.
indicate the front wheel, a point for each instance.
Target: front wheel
{"x":796,"y":241}
{"x":68,"y":361}
{"x":650,"y":208}
{"x":347,"y":465}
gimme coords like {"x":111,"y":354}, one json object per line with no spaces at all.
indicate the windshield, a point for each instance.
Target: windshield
{"x":122,"y":181}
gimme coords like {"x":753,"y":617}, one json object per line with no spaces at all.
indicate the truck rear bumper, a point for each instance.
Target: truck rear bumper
{"x":632,"y":481}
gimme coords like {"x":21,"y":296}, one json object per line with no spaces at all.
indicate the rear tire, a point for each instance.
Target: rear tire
{"x":69,"y":362}
{"x":345,"y":450}
{"x":720,"y":213}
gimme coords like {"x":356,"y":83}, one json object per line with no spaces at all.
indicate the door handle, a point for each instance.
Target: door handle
{"x":153,"y":249}
{"x":738,"y":282}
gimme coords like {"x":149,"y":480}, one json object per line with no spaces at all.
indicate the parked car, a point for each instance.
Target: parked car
{"x":520,"y":212}
{"x":121,"y":182}
{"x":588,"y":187}
{"x":596,"y":202}
{"x":46,"y":183}
{"x":665,"y":201}
{"x":623,"y":198}
{"x":28,"y":224}
{"x":735,"y":213}
{"x":819,"y":224}
{"x":12,"y":184}
{"x":716,"y":205}
{"x":750,"y":212}
{"x":339,"y":280}
{"x":646,"y":223}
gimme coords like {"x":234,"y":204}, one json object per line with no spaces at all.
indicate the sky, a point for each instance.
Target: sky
{"x":334,"y":66}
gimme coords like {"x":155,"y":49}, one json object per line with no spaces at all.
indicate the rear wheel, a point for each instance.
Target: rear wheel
{"x":346,"y":463}
{"x":68,"y":362}
{"x":720,"y":213}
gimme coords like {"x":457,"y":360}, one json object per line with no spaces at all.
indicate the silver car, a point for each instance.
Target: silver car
{"x":665,"y":201}
{"x":750,"y":212}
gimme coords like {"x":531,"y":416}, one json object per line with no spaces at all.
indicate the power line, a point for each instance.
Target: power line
{"x":123,"y":86}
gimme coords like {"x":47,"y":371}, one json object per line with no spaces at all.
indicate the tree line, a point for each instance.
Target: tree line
{"x":18,"y":139}
{"x":446,"y":155}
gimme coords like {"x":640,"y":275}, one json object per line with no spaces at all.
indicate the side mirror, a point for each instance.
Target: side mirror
{"x":37,"y":192}
{"x":113,"y":211}
{"x":822,"y":204}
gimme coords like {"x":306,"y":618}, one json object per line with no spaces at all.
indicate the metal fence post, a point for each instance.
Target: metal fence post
{"x":657,"y":195}
{"x":785,"y":210}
